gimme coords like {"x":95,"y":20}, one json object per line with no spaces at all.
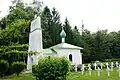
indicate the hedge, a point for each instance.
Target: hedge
{"x":18,"y":67}
{"x":51,"y":69}
{"x":4,"y":65}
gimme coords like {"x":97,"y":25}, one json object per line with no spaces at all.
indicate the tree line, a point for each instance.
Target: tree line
{"x":15,"y":27}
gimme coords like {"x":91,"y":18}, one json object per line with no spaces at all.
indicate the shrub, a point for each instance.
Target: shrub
{"x":4,"y":65}
{"x":34,"y":70}
{"x":72,"y":68}
{"x":9,"y":71}
{"x":51,"y":69}
{"x":18,"y":67}
{"x":112,"y":60}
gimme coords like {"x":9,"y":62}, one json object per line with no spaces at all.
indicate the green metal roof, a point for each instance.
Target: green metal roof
{"x":62,"y":34}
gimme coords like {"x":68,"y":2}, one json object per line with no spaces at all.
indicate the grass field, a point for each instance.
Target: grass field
{"x":21,"y":77}
{"x":104,"y":76}
{"x":74,"y":76}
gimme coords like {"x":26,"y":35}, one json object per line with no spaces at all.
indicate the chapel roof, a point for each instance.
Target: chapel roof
{"x":66,"y":46}
{"x":48,"y":51}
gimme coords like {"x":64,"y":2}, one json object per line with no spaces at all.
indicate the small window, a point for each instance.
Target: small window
{"x":70,"y":57}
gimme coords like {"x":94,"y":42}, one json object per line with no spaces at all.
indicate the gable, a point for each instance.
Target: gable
{"x":65,"y":45}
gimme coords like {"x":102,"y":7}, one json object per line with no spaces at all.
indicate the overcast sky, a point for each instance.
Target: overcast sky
{"x":104,"y":14}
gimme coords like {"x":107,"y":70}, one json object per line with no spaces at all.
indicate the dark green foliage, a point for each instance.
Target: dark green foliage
{"x":18,"y":47}
{"x":112,"y":60}
{"x":14,"y":53}
{"x":10,"y":71}
{"x":4,"y":65}
{"x":15,"y":26}
{"x":16,"y":32}
{"x":68,"y":30}
{"x":51,"y":69}
{"x":18,"y":67}
{"x":18,"y":10}
{"x":34,"y":70}
{"x":51,"y":26}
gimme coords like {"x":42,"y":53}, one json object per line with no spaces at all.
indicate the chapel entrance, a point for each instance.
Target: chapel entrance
{"x":70,"y":57}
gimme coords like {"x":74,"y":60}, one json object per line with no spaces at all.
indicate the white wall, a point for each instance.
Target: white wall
{"x":76,"y":55}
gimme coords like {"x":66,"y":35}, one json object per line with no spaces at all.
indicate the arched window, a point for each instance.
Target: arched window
{"x":70,"y":57}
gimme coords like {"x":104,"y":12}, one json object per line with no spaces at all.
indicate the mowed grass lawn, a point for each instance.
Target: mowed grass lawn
{"x":74,"y":76}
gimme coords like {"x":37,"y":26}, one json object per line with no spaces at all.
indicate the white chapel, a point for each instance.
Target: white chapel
{"x":71,"y":52}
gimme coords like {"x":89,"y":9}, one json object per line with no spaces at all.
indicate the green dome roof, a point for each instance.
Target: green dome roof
{"x":62,"y":34}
